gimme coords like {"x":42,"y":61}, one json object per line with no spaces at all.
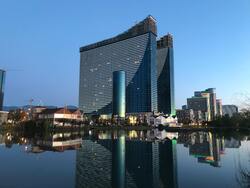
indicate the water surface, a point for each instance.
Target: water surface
{"x":124,"y":159}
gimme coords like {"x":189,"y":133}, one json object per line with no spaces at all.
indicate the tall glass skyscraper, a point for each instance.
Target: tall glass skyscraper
{"x":165,"y":70}
{"x":2,"y":83}
{"x":134,"y":52}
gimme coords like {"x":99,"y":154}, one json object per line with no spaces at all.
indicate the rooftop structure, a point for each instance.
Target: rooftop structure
{"x":145,"y":26}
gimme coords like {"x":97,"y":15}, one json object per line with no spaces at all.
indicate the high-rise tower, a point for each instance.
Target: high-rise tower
{"x":2,"y":83}
{"x":165,"y":69}
{"x":134,"y":52}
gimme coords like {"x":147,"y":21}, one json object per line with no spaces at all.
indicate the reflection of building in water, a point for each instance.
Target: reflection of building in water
{"x":2,"y":139}
{"x":133,"y":163}
{"x":232,"y":143}
{"x":152,"y":164}
{"x":206,"y":147}
{"x":142,"y":162}
{"x":57,"y":142}
{"x":161,"y":135}
{"x":93,"y":166}
{"x":168,"y":164}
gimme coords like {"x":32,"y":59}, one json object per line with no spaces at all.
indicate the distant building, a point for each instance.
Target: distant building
{"x":184,"y":107}
{"x":60,"y":115}
{"x":205,"y":101}
{"x":185,"y":116}
{"x":229,"y":110}
{"x":219,"y":107}
{"x":212,"y":101}
{"x":165,"y":75}
{"x":35,"y":111}
{"x":2,"y":83}
{"x":232,"y":143}
{"x":201,"y":103}
{"x":199,"y":117}
{"x":189,"y":116}
{"x":3,"y":117}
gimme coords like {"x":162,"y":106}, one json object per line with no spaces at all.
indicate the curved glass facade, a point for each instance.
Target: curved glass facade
{"x":165,"y":81}
{"x":136,"y":56}
{"x":119,"y":93}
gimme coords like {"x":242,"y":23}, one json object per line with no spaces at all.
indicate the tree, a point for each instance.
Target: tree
{"x":17,"y":116}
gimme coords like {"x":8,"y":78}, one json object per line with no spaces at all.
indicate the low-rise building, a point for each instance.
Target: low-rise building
{"x":185,"y":116}
{"x":61,"y":115}
{"x":3,"y":117}
{"x":165,"y":121}
{"x":229,"y":110}
{"x":36,"y":110}
{"x":190,"y":116}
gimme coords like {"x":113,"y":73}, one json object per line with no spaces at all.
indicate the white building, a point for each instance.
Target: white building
{"x":165,"y":121}
{"x":3,"y":117}
{"x":60,"y":115}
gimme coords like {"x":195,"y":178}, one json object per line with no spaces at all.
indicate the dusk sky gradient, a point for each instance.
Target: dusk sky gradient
{"x":40,"y":40}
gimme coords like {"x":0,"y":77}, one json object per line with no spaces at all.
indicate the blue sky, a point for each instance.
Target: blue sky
{"x":40,"y":40}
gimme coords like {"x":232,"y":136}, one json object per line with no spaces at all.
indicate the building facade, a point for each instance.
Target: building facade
{"x":212,"y":100}
{"x":59,"y":116}
{"x":229,"y":110}
{"x":165,"y":75}
{"x":219,"y":107}
{"x":3,"y":117}
{"x":189,"y":116}
{"x":2,"y":83}
{"x":185,"y":116}
{"x":134,"y":52}
{"x":201,"y":103}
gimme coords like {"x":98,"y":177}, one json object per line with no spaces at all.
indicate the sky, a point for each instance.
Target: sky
{"x":40,"y":40}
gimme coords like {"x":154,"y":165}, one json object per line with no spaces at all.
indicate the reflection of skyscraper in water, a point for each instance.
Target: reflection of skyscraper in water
{"x":101,"y":163}
{"x":140,"y":156}
{"x":168,"y":164}
{"x":152,"y":164}
{"x":232,"y":143}
{"x":93,"y":166}
{"x":139,"y":164}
